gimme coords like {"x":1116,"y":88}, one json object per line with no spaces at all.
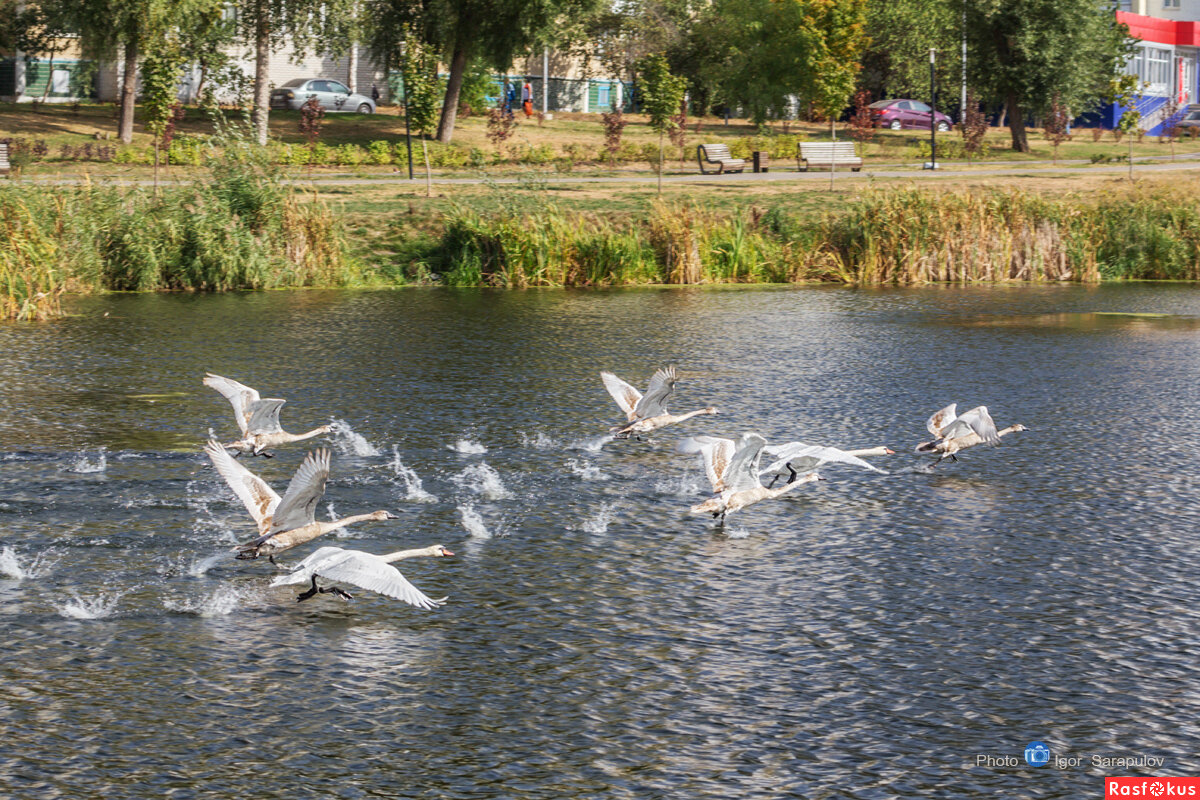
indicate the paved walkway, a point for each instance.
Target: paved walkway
{"x":956,"y":170}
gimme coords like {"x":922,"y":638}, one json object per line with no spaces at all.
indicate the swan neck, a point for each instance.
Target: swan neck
{"x":1006,"y":431}
{"x":400,"y":555}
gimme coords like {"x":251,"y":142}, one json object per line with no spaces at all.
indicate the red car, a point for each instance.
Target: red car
{"x":897,"y":114}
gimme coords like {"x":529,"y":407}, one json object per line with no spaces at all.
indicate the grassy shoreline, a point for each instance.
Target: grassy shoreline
{"x":248,"y":230}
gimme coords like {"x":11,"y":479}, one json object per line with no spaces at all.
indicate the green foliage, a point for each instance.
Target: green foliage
{"x":660,"y":91}
{"x":160,"y":73}
{"x":901,"y":33}
{"x":379,"y":152}
{"x":422,"y":90}
{"x":477,"y":85}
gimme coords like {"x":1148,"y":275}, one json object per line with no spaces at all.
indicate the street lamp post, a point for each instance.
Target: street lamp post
{"x":932,"y":113}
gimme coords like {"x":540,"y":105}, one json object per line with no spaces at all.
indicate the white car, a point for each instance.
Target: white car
{"x":332,"y":95}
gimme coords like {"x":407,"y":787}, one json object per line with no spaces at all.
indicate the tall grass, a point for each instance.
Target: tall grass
{"x":243,"y":229}
{"x":904,"y":236}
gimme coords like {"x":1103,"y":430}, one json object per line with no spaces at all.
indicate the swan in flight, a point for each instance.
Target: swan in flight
{"x":258,"y":419}
{"x":732,"y":469}
{"x":364,"y":570}
{"x":645,"y":413}
{"x":283,"y":522}
{"x":956,"y":433}
{"x":796,"y":457}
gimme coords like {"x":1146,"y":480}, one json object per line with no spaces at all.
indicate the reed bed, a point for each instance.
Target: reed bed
{"x":889,"y":236}
{"x":245,"y":229}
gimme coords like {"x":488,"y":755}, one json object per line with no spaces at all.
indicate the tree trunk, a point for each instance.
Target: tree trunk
{"x":262,"y":71}
{"x":128,"y":89}
{"x":458,"y":68}
{"x":1016,"y":124}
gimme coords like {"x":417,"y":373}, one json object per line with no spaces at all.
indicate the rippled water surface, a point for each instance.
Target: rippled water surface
{"x":868,"y":636}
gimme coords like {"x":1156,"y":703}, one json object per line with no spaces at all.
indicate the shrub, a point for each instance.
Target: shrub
{"x":379,"y":152}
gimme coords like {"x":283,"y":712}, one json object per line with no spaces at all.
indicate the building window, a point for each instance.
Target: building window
{"x":1170,"y":3}
{"x":602,"y":96}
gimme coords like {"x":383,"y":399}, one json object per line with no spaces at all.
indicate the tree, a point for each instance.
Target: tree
{"x":160,"y":79}
{"x":464,"y":31}
{"x":900,"y":35}
{"x":329,"y":26}
{"x":760,"y":53}
{"x":421,"y":93}
{"x":661,"y":94}
{"x":1027,"y":51}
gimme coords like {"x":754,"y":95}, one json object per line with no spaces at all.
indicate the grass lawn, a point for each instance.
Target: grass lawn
{"x":59,"y":126}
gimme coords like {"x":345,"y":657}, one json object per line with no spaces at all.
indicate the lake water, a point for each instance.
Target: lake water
{"x":868,"y":636}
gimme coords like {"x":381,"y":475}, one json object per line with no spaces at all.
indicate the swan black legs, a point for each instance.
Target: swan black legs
{"x":300,"y":598}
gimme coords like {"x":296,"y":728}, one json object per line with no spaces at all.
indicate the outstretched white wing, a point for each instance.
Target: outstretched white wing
{"x":715,"y":453}
{"x":360,"y":569}
{"x":977,"y":421}
{"x":264,"y":416}
{"x":239,"y":396}
{"x":808,"y":457}
{"x":626,"y":396}
{"x":654,"y":403}
{"x":742,"y":473}
{"x":258,"y":498}
{"x":299,"y":504}
{"x":941,"y":419}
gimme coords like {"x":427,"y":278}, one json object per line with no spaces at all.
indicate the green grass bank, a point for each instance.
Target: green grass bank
{"x":246,"y":228}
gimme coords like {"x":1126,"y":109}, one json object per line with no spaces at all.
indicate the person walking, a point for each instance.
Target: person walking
{"x":527,"y":98}
{"x":510,"y":96}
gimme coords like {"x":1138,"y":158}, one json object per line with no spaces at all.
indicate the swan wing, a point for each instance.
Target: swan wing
{"x":654,"y":403}
{"x":303,"y":571}
{"x":264,"y":416}
{"x":258,"y":498}
{"x":941,"y":419}
{"x":977,"y":421}
{"x":782,"y":454}
{"x":365,"y":571}
{"x":239,"y":395}
{"x":299,"y":504}
{"x":742,"y":472}
{"x":715,"y":454}
{"x":626,"y":396}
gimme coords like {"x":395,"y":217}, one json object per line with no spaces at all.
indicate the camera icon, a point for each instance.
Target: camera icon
{"x":1037,"y":754}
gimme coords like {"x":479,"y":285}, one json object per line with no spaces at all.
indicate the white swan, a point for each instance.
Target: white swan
{"x":732,"y":469}
{"x":364,"y":570}
{"x":796,"y":457}
{"x":257,"y":419}
{"x":283,"y":522}
{"x":958,"y":433}
{"x":645,"y":413}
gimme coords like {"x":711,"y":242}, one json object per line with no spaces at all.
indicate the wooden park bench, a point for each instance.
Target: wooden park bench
{"x":718,"y":154}
{"x":4,"y":167}
{"x":827,"y":154}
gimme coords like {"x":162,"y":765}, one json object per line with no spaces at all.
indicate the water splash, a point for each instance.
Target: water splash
{"x":98,"y":607}
{"x":539,"y":441}
{"x":349,"y":443}
{"x":484,"y":480}
{"x":468,"y":448}
{"x":591,"y":445}
{"x":413,"y":491}
{"x":84,"y":465}
{"x":220,"y":603}
{"x":339,"y":533}
{"x":473,"y":522}
{"x":587,"y":472}
{"x":736,"y":533}
{"x":38,"y":566}
{"x":599,"y":522}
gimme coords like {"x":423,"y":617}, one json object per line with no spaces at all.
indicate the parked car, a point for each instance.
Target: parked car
{"x":332,"y":95}
{"x":1190,"y":120}
{"x":897,"y":114}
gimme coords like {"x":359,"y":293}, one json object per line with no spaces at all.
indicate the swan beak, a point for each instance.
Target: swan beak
{"x":390,"y":515}
{"x":446,"y":552}
{"x":889,"y":451}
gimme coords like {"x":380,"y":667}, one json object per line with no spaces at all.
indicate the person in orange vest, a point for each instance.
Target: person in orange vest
{"x":527,"y":98}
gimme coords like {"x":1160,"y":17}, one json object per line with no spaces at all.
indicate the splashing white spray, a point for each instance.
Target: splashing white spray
{"x":38,"y":566}
{"x":599,"y":522}
{"x":97,"y":607}
{"x":222,"y":602}
{"x":85,"y":465}
{"x":473,"y":522}
{"x":587,"y":472}
{"x":413,"y":491}
{"x":468,"y":448}
{"x":484,"y":480}
{"x":349,"y":443}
